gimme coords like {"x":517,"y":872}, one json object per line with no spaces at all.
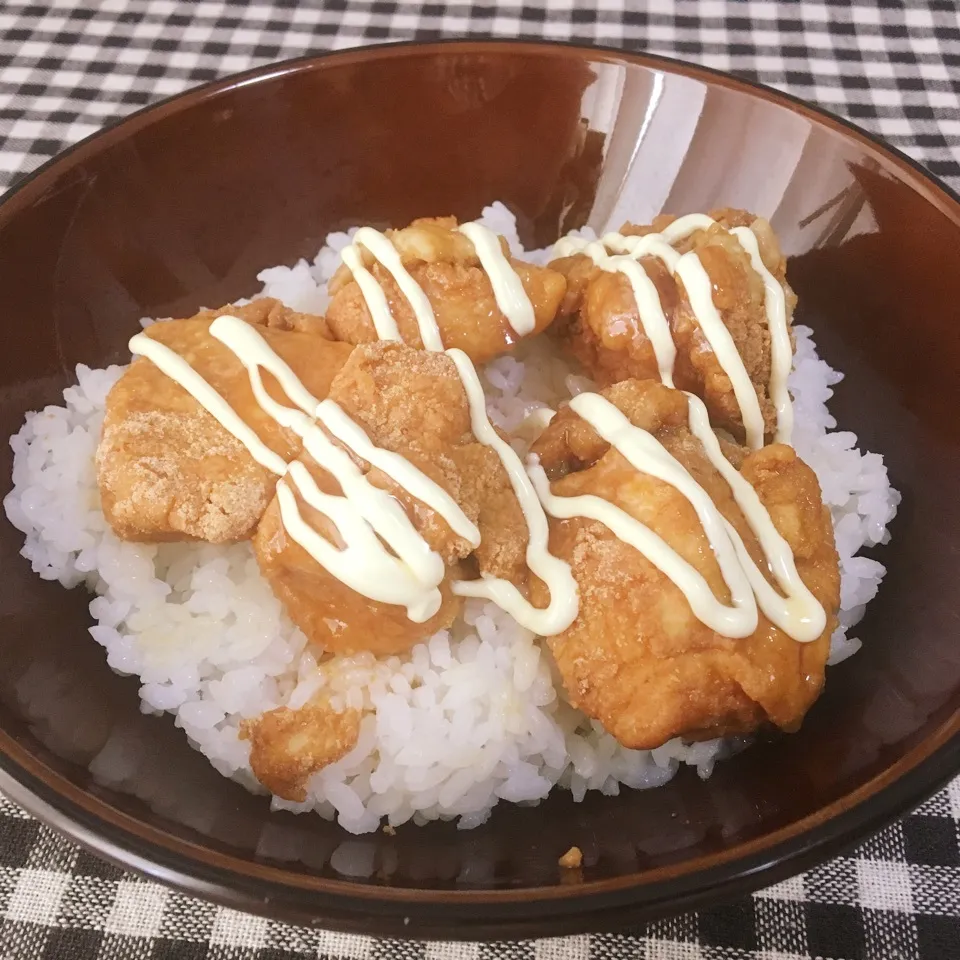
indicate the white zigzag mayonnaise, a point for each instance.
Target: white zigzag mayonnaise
{"x":384,"y":557}
{"x":697,"y":283}
{"x":797,"y":612}
{"x":368,"y":519}
{"x":562,"y":608}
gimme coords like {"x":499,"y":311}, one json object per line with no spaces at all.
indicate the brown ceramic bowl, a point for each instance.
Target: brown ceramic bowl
{"x":181,"y":204}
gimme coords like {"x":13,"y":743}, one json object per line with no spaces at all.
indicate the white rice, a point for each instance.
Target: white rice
{"x":472,"y":716}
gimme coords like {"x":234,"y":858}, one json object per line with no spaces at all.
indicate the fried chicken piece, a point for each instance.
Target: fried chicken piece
{"x":268,"y":312}
{"x":572,"y":859}
{"x":443,"y":262}
{"x":288,"y":746}
{"x":636,"y":658}
{"x":410,"y":402}
{"x":166,"y":468}
{"x":602,"y":326}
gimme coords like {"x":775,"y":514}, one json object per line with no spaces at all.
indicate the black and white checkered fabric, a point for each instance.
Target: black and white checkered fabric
{"x":69,"y":66}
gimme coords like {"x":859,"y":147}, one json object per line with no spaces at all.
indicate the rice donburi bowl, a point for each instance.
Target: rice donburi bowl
{"x":434,"y":522}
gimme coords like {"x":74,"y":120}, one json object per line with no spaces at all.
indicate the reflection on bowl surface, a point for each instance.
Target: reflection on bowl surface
{"x":180,"y":207}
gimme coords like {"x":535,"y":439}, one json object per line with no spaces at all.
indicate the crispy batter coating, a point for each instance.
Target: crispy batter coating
{"x":602,"y":327}
{"x":288,"y":746}
{"x":268,"y":312}
{"x":410,"y":402}
{"x":572,"y":859}
{"x":636,"y":658}
{"x":444,"y":264}
{"x":167,"y":470}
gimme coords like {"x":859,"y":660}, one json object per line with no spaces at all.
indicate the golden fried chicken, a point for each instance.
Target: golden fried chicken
{"x":410,"y":402}
{"x":603,"y":328}
{"x":269,"y":312}
{"x":636,"y":658}
{"x":444,"y":263}
{"x":288,"y":746}
{"x":166,"y":468}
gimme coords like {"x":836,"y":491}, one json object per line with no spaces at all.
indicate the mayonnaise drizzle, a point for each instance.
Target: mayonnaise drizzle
{"x":654,"y":320}
{"x":177,"y":369}
{"x":373,"y":295}
{"x":646,"y":454}
{"x":555,"y":573}
{"x":683,"y":227}
{"x":364,"y":511}
{"x":508,"y":289}
{"x":797,"y":612}
{"x":366,"y":517}
{"x":416,"y":483}
{"x":781,"y":349}
{"x":564,"y":599}
{"x":512,"y":299}
{"x":699,"y":288}
{"x":384,"y":251}
{"x":410,"y":579}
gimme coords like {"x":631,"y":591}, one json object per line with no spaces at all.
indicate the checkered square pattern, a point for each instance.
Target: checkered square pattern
{"x":69,"y":66}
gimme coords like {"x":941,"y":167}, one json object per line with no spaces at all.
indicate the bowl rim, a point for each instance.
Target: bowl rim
{"x":464,"y":913}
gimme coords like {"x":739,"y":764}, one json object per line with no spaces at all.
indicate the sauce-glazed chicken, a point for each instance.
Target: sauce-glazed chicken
{"x":612,"y":332}
{"x":637,"y":658}
{"x":167,"y":469}
{"x":444,"y":264}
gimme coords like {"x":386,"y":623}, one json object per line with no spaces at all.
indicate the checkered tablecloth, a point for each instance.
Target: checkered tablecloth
{"x":68,"y":66}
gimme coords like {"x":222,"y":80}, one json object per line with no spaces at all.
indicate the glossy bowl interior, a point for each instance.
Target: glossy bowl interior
{"x":182,"y":204}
